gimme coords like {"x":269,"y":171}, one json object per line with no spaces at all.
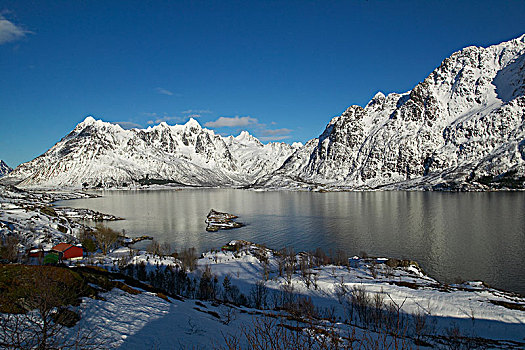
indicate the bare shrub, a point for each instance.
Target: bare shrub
{"x":287,"y":295}
{"x":304,"y":266}
{"x":373,"y":269}
{"x":227,"y":313}
{"x":320,"y":257}
{"x":258,"y":295}
{"x":47,"y":313}
{"x":290,"y":262}
{"x":154,"y":247}
{"x":340,"y":258}
{"x":106,"y":238}
{"x":188,"y":257}
{"x":361,"y":303}
{"x":273,"y":333}
{"x":9,"y":248}
{"x":165,"y":249}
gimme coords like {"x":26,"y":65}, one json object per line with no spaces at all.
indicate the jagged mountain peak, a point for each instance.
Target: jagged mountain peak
{"x":463,"y":127}
{"x":4,"y":168}
{"x":98,"y":153}
{"x":193,"y":123}
{"x":246,"y":138}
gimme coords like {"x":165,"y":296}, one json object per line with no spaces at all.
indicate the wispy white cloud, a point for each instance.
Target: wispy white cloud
{"x":149,"y":114}
{"x":274,"y":138}
{"x":10,"y":32}
{"x":128,"y":125}
{"x":197,"y":111}
{"x":163,"y":91}
{"x":275,"y":132}
{"x":166,"y":118}
{"x":231,"y":122}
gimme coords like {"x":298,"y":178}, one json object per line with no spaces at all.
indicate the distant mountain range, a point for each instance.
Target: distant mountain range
{"x":462,"y":128}
{"x":4,"y":168}
{"x":99,"y":154}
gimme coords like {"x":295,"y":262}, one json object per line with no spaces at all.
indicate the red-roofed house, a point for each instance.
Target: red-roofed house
{"x":68,"y":251}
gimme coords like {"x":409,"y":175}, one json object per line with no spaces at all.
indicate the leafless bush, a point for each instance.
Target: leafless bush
{"x":373,"y":269}
{"x":227,"y":313}
{"x":341,"y":290}
{"x":154,"y":247}
{"x":165,"y":249}
{"x":304,"y":266}
{"x":106,"y":238}
{"x":420,"y":325}
{"x":258,"y":295}
{"x":289,"y":264}
{"x":340,"y":258}
{"x":48,"y":314}
{"x":287,"y":295}
{"x":303,"y":307}
{"x":273,"y":333}
{"x":455,"y":340}
{"x":320,"y":257}
{"x":188,"y":258}
{"x":9,"y":248}
{"x":361,"y":303}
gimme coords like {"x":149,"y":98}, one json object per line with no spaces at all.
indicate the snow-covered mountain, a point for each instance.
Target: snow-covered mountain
{"x":4,"y":168}
{"x":461,"y":128}
{"x":97,"y":153}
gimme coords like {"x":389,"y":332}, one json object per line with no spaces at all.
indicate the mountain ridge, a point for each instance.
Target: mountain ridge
{"x":102,"y":154}
{"x":461,"y":128}
{"x":4,"y":168}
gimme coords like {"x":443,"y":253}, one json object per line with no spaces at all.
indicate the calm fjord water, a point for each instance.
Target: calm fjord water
{"x":471,"y":236}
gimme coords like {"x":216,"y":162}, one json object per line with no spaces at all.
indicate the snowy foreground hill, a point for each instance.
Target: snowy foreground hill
{"x":462,"y":128}
{"x":243,"y":292}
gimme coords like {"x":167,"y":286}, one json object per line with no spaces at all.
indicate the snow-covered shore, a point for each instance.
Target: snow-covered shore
{"x":137,"y":321}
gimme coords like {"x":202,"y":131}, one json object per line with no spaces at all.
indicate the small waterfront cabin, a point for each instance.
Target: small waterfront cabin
{"x":68,"y":251}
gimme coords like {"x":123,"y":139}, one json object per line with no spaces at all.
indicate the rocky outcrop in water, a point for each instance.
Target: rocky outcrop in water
{"x":221,"y":221}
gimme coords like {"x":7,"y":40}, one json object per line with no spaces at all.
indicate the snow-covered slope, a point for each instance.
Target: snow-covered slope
{"x":4,"y":168}
{"x":461,"y":128}
{"x":98,"y":153}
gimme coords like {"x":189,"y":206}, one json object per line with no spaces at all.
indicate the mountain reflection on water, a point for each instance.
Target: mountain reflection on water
{"x":469,"y":236}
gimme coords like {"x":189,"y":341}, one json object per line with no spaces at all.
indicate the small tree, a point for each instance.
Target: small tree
{"x":41,"y":319}
{"x":106,"y":238}
{"x":226,"y":288}
{"x":9,"y":248}
{"x":258,"y":295}
{"x":154,"y":247}
{"x":188,"y":258}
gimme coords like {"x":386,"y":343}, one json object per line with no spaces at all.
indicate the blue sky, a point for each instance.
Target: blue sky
{"x":279,"y":69}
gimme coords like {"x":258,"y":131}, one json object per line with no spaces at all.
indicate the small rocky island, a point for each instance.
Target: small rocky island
{"x":221,"y":221}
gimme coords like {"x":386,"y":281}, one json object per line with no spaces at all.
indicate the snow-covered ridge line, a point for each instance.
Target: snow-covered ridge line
{"x":462,"y":128}
{"x":101,"y":154}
